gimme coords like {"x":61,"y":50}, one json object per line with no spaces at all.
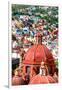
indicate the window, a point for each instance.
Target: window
{"x":28,"y":69}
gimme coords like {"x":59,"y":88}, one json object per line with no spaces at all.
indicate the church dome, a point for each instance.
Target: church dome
{"x":37,"y":53}
{"x":16,"y":80}
{"x":38,"y":79}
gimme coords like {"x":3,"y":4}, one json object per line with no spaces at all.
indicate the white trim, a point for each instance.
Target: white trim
{"x":9,"y":42}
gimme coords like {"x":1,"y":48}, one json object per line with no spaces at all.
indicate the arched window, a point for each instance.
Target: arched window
{"x":28,"y":69}
{"x":38,"y":70}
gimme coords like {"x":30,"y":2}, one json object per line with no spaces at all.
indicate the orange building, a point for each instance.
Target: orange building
{"x":35,"y":55}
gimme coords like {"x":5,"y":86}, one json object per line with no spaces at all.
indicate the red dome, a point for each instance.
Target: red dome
{"x":37,"y":53}
{"x":16,"y":80}
{"x":38,"y":79}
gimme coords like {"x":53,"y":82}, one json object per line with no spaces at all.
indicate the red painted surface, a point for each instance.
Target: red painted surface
{"x":37,"y":53}
{"x":38,"y":79}
{"x":26,"y":41}
{"x":16,"y":80}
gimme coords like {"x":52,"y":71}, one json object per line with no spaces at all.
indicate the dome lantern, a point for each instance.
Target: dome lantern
{"x":38,"y":38}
